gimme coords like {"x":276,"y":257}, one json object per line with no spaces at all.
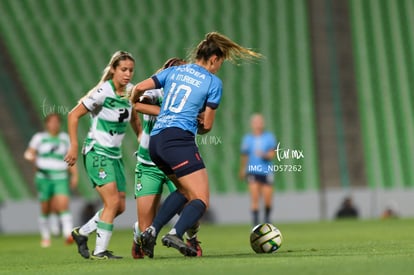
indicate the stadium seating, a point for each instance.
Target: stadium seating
{"x":12,"y":185}
{"x":384,"y":56}
{"x":61,"y":47}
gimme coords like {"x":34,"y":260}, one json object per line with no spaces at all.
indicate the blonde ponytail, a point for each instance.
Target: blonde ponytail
{"x":218,"y":44}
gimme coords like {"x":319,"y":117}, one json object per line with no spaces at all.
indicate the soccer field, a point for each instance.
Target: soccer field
{"x":339,"y":247}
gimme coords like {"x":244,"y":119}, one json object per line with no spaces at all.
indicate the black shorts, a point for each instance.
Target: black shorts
{"x":262,"y":179}
{"x":174,"y":151}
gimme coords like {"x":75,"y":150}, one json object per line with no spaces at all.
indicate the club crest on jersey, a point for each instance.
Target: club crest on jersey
{"x":102,"y":174}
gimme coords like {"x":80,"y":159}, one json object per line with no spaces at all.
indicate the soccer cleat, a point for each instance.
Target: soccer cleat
{"x":174,"y":241}
{"x":195,"y":244}
{"x":105,"y":255}
{"x":82,"y":243}
{"x":45,"y":243}
{"x":148,"y":242}
{"x":136,"y":251}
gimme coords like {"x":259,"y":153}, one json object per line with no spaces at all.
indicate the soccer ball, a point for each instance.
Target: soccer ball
{"x":265,"y":238}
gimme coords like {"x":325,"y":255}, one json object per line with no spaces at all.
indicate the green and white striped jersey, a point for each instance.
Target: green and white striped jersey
{"x":50,"y":152}
{"x":110,"y":115}
{"x":154,"y":97}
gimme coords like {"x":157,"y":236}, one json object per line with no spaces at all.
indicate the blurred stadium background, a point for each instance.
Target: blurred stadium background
{"x":336,"y":83}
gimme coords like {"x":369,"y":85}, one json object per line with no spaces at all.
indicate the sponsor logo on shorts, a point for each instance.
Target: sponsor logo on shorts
{"x":102,"y":174}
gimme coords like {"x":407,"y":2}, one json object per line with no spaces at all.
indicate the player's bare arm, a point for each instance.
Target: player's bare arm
{"x":136,"y":123}
{"x":206,"y":122}
{"x":73,"y":121}
{"x":140,"y":88}
{"x":148,"y":109}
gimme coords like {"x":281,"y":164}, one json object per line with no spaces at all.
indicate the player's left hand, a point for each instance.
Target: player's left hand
{"x":71,"y":156}
{"x":200,"y":118}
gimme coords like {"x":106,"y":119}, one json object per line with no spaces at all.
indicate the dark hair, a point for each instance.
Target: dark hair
{"x":174,"y":61}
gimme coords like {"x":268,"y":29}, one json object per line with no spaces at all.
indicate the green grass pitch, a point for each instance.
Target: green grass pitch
{"x":335,"y":247}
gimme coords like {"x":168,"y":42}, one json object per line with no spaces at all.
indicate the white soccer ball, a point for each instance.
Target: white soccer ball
{"x":265,"y":238}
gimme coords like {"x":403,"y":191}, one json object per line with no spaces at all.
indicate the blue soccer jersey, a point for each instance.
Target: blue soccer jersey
{"x":254,"y":147}
{"x":187,"y":90}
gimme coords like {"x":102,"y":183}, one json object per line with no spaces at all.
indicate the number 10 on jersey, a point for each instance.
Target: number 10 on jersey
{"x":174,"y":93}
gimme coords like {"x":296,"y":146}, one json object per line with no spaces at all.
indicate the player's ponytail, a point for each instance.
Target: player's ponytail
{"x":217,"y":44}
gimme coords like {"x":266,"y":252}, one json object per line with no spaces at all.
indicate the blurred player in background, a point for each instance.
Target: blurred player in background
{"x":189,"y":90}
{"x":149,"y":179}
{"x":53,"y":179}
{"x":257,"y":152}
{"x":110,"y":109}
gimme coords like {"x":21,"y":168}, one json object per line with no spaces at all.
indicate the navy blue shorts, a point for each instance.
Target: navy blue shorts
{"x":261,"y":179}
{"x":174,"y":151}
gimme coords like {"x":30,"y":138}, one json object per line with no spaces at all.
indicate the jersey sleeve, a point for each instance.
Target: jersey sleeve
{"x":95,"y":99}
{"x":214,"y":94}
{"x":161,"y":77}
{"x":152,"y":96}
{"x":272,"y":141}
{"x":245,"y":145}
{"x":35,"y":141}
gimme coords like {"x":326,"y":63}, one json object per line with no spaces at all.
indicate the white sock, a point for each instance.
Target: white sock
{"x":90,"y":226}
{"x":172,"y":232}
{"x":54,"y":224}
{"x":137,"y":232}
{"x":67,"y":223}
{"x":154,"y":232}
{"x":103,"y":236}
{"x":44,"y":227}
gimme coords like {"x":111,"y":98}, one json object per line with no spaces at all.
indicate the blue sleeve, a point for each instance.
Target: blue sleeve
{"x":157,"y":82}
{"x":214,"y":94}
{"x":245,"y":145}
{"x":161,"y":77}
{"x":272,"y":141}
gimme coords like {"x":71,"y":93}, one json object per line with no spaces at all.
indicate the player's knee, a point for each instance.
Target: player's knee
{"x":113,"y":203}
{"x":206,"y":202}
{"x":121,"y":208}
